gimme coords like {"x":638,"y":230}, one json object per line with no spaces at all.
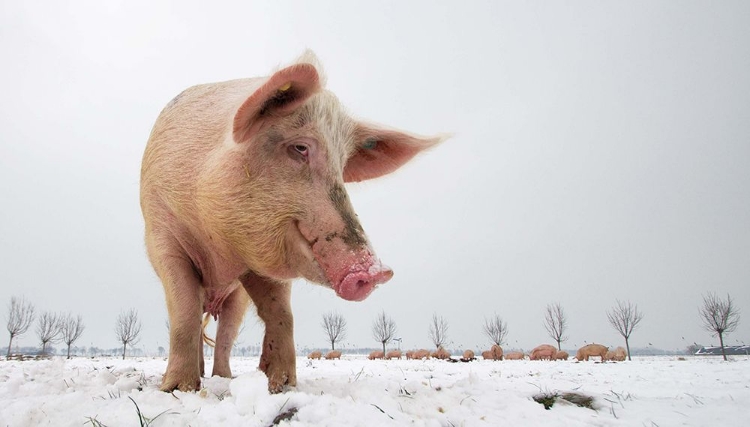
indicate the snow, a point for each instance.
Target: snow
{"x":650,"y":391}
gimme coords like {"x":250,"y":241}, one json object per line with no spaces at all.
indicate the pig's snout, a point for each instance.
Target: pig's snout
{"x":357,"y":285}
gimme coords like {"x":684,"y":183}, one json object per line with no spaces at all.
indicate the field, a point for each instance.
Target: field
{"x":648,"y":391}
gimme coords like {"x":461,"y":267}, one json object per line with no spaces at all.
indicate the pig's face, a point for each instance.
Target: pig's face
{"x":286,"y":211}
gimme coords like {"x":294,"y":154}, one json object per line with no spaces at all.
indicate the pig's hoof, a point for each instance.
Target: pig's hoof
{"x":170,"y":385}
{"x":280,"y":383}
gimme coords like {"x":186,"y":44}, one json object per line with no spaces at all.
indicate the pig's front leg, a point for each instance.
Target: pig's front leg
{"x":273,"y":300}
{"x":185,"y":306}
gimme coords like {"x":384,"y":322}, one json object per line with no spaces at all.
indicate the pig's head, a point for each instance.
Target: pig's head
{"x":281,"y":199}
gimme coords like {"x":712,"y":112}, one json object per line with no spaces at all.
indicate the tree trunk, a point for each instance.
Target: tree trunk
{"x":332,"y":343}
{"x":9,"y":345}
{"x":68,"y":351}
{"x":558,"y":345}
{"x":383,"y":348}
{"x":44,"y":348}
{"x":124,"y":346}
{"x":721,"y":341}
{"x":627,"y":345}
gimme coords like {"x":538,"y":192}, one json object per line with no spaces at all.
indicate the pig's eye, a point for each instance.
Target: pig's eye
{"x":299,"y":151}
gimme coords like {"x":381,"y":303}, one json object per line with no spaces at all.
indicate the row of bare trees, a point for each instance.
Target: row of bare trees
{"x":58,"y":327}
{"x":50,"y":327}
{"x":718,"y":316}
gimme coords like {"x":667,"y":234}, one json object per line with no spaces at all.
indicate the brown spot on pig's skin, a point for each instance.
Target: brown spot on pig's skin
{"x":274,"y":136}
{"x":353,"y":232}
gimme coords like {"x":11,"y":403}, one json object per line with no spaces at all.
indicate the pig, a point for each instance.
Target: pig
{"x":242,"y":190}
{"x":315,"y":355}
{"x":543,"y":352}
{"x":375,"y":355}
{"x":616,"y":355}
{"x":494,"y":353}
{"x":591,"y":350}
{"x":421,"y":354}
{"x":393,"y":354}
{"x":562,"y":355}
{"x":468,"y":356}
{"x":334,"y":354}
{"x":409,"y":354}
{"x":515,"y":355}
{"x":441,"y":353}
{"x":497,"y":352}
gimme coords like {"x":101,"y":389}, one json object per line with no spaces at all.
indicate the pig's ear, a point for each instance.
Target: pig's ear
{"x":280,"y":95}
{"x":379,"y":152}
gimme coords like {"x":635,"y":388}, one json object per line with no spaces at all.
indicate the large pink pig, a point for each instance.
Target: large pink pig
{"x":242,"y":190}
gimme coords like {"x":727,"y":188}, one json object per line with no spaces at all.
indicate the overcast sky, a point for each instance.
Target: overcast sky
{"x":601,"y":151}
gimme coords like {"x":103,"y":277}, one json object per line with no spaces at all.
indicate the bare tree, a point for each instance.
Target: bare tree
{"x":496,"y":329}
{"x":48,"y":329}
{"x":20,"y":317}
{"x":334,"y":326}
{"x":383,"y":329}
{"x":625,"y":317}
{"x":720,"y":317}
{"x":438,"y":332}
{"x":72,"y":328}
{"x":555,"y":323}
{"x":127,"y":329}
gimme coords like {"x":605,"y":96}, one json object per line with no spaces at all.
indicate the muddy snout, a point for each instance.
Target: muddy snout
{"x":358,"y":283}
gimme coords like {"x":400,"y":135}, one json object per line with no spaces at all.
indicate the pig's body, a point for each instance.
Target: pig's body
{"x":543,"y":352}
{"x":494,"y":353}
{"x":514,"y":355}
{"x":562,"y":355}
{"x":393,"y":354}
{"x":421,"y":354}
{"x":441,"y":353}
{"x":335,"y":354}
{"x":242,"y":190}
{"x":590,"y":350}
{"x":316,"y":355}
{"x":616,"y":355}
{"x":375,"y":355}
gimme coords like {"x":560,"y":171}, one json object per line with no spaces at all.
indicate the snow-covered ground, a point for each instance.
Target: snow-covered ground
{"x":649,"y":391}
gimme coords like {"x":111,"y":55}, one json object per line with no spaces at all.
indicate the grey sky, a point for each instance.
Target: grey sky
{"x":601,"y":151}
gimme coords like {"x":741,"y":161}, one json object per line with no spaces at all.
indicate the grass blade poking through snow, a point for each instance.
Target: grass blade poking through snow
{"x":145,"y":422}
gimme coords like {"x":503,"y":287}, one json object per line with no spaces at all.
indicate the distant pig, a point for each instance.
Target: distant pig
{"x":421,"y":354}
{"x":616,"y":355}
{"x":514,"y":355}
{"x":543,"y":352}
{"x":393,"y":354}
{"x":377,"y":354}
{"x":441,"y":353}
{"x":590,"y":350}
{"x":334,"y":354}
{"x":242,"y":190}
{"x":494,"y":353}
{"x":315,"y":355}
